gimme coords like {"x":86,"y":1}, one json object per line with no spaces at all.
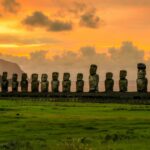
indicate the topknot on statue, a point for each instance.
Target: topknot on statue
{"x":141,"y":66}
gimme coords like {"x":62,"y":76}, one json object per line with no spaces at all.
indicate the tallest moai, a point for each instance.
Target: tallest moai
{"x":141,"y":80}
{"x":93,"y":79}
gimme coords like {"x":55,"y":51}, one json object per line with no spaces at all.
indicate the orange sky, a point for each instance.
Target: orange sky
{"x":105,"y":24}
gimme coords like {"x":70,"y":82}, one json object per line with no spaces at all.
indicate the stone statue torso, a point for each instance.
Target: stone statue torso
{"x":79,"y":86}
{"x":93,"y":82}
{"x":44,"y":86}
{"x":109,"y":84}
{"x":55,"y":86}
{"x":142,"y":85}
{"x":15,"y":86}
{"x":66,"y":86}
{"x":123,"y":84}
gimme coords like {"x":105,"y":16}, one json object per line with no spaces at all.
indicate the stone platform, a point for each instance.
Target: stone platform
{"x":99,"y":97}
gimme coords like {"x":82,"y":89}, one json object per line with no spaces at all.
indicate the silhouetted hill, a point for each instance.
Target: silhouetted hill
{"x":10,"y":67}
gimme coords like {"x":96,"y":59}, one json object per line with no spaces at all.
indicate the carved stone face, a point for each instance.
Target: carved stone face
{"x":34,"y":77}
{"x":123,"y":74}
{"x":66,"y":76}
{"x":55,"y":76}
{"x":141,"y":74}
{"x":79,"y":76}
{"x":109,"y":75}
{"x":15,"y":77}
{"x":44,"y":77}
{"x":24,"y":76}
{"x":4,"y":76}
{"x":93,"y":69}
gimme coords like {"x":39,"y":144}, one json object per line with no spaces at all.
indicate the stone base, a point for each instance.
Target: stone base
{"x":100,"y":97}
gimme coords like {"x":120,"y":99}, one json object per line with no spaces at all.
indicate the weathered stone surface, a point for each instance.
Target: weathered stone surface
{"x":123,"y":82}
{"x":109,"y":82}
{"x":79,"y":83}
{"x":35,"y":83}
{"x":66,"y":84}
{"x":15,"y":83}
{"x":141,"y":81}
{"x":93,"y":79}
{"x":141,"y":66}
{"x":44,"y":83}
{"x":24,"y":83}
{"x":55,"y":82}
{"x":5,"y":83}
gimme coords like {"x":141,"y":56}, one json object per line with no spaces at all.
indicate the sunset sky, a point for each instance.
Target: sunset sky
{"x":57,"y":26}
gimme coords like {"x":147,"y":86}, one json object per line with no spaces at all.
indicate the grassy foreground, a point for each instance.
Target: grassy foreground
{"x":33,"y":125}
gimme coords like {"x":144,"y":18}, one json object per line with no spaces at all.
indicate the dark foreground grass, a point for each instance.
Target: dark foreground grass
{"x":33,"y":125}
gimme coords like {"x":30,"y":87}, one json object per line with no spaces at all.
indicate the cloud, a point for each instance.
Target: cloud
{"x":125,"y":57}
{"x":21,"y":40}
{"x":87,"y":14}
{"x":11,"y":6}
{"x":59,"y":26}
{"x":127,"y":51}
{"x":84,"y":13}
{"x":127,"y":2}
{"x":38,"y":19}
{"x":89,"y":19}
{"x":77,"y":8}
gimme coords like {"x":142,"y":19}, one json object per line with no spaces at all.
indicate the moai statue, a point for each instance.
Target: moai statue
{"x":24,"y":83}
{"x":123,"y":82}
{"x":55,"y":82}
{"x":141,"y":80}
{"x":79,"y":83}
{"x":35,"y":83}
{"x":109,"y":82}
{"x":66,"y":84}
{"x":44,"y":83}
{"x":15,"y":83}
{"x":93,"y":79}
{"x":5,"y":82}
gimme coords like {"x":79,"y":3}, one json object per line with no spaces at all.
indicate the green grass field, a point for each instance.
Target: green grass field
{"x":39,"y":125}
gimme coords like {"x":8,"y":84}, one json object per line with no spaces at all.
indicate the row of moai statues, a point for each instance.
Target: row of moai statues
{"x":142,"y":81}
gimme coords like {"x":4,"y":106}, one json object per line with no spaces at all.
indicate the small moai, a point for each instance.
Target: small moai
{"x":15,"y":82}
{"x":109,"y":82}
{"x":4,"y":82}
{"x":93,"y":79}
{"x":79,"y":83}
{"x":24,"y":83}
{"x":44,"y":83}
{"x":35,"y":83}
{"x":66,"y":84}
{"x":123,"y":82}
{"x":141,"y":81}
{"x":55,"y":82}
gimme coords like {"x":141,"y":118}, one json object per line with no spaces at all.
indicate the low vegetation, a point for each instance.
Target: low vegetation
{"x":40,"y":125}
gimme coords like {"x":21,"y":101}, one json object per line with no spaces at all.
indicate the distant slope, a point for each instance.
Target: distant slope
{"x":10,"y":67}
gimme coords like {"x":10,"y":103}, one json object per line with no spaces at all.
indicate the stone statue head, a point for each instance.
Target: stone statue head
{"x":44,"y":77}
{"x":66,"y":76}
{"x":141,"y":70}
{"x":93,"y":69}
{"x":14,"y":77}
{"x":24,"y":77}
{"x":79,"y":76}
{"x":123,"y":74}
{"x":55,"y":76}
{"x":34,"y":77}
{"x":4,"y":76}
{"x":109,"y":75}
